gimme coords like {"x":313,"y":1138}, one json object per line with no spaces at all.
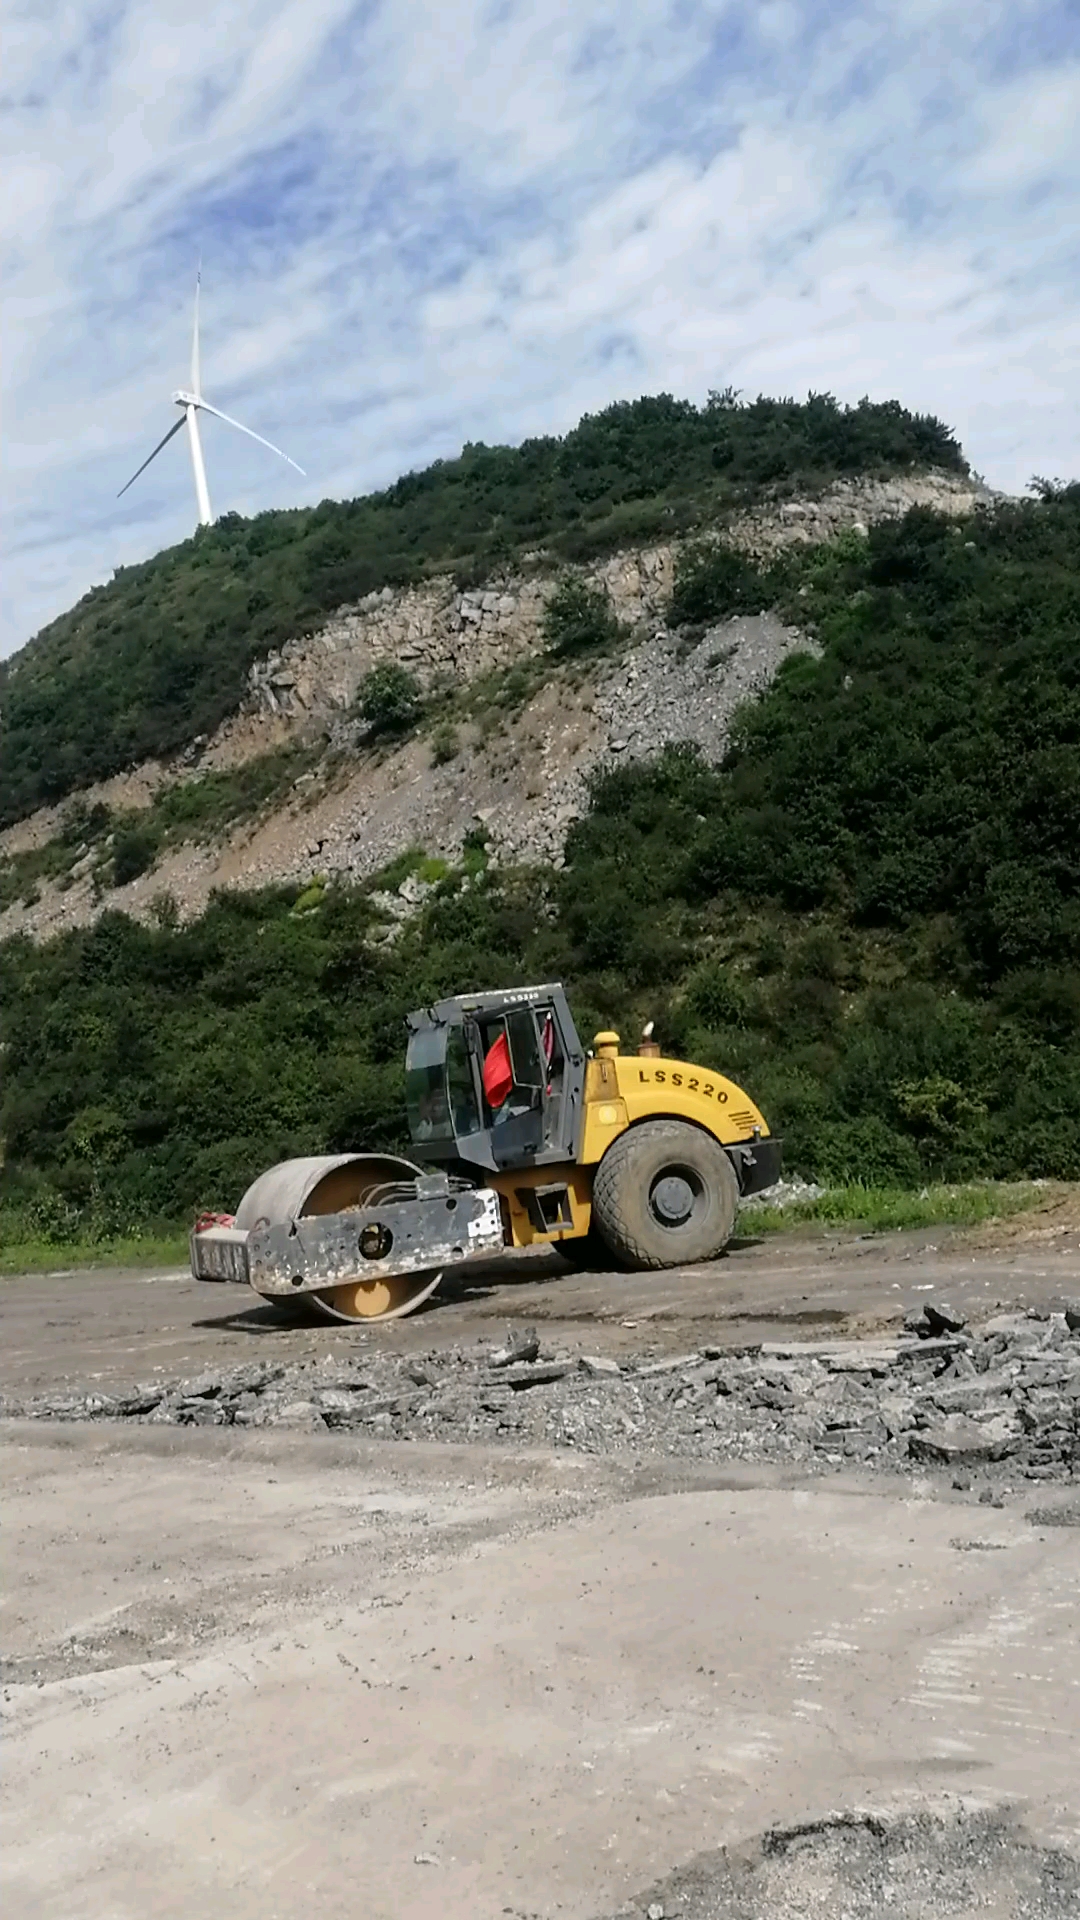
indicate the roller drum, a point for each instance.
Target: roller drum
{"x":338,"y":1183}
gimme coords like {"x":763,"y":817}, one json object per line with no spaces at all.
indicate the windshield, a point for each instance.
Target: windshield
{"x":425,"y":1087}
{"x":439,"y":1092}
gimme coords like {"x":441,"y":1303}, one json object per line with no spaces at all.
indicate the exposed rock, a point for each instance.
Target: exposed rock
{"x":298,"y":1413}
{"x":931,"y":1349}
{"x":980,"y":1397}
{"x":959,"y":1440}
{"x":792,"y":1190}
{"x":542,"y":1373}
{"x":941,"y":1318}
{"x":674,"y":1363}
{"x":524,"y":1346}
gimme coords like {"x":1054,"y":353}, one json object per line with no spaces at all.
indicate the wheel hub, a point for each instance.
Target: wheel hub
{"x":672,"y":1200}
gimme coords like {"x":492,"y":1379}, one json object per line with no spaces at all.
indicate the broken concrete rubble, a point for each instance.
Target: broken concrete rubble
{"x":932,"y":1319}
{"x":1006,"y":1396}
{"x":958,"y":1440}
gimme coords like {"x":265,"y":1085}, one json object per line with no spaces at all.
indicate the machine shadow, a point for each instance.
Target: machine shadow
{"x":261,"y":1319}
{"x":483,"y":1280}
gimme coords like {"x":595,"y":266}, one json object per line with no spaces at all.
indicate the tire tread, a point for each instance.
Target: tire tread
{"x":616,"y":1167}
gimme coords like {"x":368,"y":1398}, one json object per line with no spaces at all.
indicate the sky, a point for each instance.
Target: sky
{"x":423,"y":222}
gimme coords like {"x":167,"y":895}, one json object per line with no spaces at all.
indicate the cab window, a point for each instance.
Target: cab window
{"x":460,"y":1086}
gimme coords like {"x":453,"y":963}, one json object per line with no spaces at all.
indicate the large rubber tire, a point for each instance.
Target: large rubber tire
{"x":665,"y":1195}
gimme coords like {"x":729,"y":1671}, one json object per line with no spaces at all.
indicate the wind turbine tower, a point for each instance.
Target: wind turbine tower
{"x":191,"y":402}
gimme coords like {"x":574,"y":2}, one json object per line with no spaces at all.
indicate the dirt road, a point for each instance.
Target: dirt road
{"x":281,"y":1673}
{"x":112,"y":1329}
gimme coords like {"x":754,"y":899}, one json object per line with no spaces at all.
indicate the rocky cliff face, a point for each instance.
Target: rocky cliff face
{"x":521,"y":775}
{"x":440,"y":633}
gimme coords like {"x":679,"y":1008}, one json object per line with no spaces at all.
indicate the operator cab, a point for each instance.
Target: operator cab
{"x":495,"y":1080}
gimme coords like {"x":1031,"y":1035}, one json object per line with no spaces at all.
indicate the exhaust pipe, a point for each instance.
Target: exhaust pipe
{"x":647,"y":1047}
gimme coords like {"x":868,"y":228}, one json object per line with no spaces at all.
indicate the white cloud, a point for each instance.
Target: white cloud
{"x":1031,"y":130}
{"x":423,"y":224}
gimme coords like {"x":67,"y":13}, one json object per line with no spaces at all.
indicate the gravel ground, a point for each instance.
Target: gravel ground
{"x":854,"y":1866}
{"x":1001,"y":1399}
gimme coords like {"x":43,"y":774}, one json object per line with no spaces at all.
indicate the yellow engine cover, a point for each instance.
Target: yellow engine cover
{"x":623,"y":1088}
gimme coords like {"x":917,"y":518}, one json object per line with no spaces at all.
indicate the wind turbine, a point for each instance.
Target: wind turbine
{"x":191,"y":402}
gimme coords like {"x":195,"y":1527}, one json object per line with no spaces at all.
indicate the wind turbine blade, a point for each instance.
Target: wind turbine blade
{"x":238,"y":424}
{"x":153,"y":456}
{"x":195,"y":336}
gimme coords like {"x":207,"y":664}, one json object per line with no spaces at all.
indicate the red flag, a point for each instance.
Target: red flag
{"x":498,"y":1073}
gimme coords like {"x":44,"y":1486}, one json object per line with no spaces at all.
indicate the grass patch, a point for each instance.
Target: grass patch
{"x":864,"y":1209}
{"x":169,"y":1248}
{"x":389,"y":878}
{"x":445,"y":745}
{"x":81,"y":833}
{"x":888,"y":1209}
{"x":206,"y":806}
{"x":491,"y":699}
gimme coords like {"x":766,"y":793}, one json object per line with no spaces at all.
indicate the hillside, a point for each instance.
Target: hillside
{"x":159,"y":656}
{"x":508,"y":713}
{"x":869,"y":911}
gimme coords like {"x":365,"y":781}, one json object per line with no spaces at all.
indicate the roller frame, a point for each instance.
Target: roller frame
{"x":285,"y":1252}
{"x":313,"y":1254}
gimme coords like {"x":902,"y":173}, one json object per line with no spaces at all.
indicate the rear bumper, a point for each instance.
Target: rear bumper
{"x":757,"y":1163}
{"x":220,"y":1253}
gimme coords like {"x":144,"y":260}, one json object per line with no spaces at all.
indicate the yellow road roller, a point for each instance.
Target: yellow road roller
{"x":521,"y":1137}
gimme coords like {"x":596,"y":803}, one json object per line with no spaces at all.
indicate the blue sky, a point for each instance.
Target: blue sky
{"x":427,"y":223}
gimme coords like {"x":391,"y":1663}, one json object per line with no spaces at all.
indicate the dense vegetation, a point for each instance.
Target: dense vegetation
{"x":159,"y":656}
{"x":870,"y":914}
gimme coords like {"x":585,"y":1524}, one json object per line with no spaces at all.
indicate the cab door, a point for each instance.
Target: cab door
{"x":517,"y":1127}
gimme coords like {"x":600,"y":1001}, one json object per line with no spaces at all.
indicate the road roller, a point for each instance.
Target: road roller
{"x":521,"y":1137}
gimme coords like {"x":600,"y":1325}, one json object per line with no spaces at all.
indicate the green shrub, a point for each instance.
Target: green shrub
{"x":165,"y":911}
{"x":717,"y":997}
{"x":134,"y":851}
{"x":311,"y":898}
{"x":53,"y":1219}
{"x":712,"y":582}
{"x":864,"y":1152}
{"x":389,"y":699}
{"x":445,"y":745}
{"x":579,"y":619}
{"x":474,"y":850}
{"x":389,"y":878}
